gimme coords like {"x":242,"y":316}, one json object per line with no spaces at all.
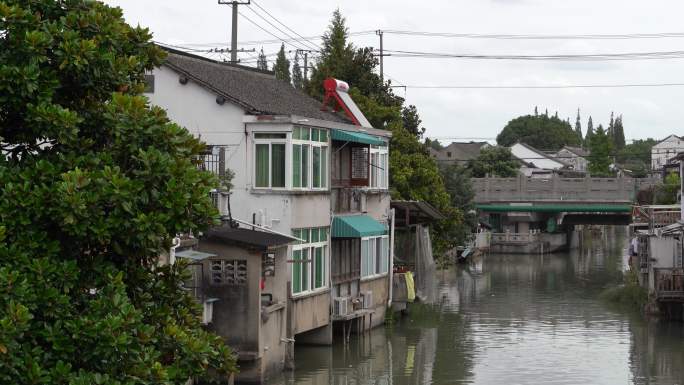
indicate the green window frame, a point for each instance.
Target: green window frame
{"x":310,"y":260}
{"x":270,"y":164}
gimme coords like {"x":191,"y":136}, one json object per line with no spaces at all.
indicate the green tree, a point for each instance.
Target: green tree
{"x":414,"y":174}
{"x":611,"y":125}
{"x":636,"y":156}
{"x":281,"y":67}
{"x":666,"y":193}
{"x":494,"y":161}
{"x":601,"y":149}
{"x":262,"y":63}
{"x":618,"y":134}
{"x":297,"y":78}
{"x":95,"y":184}
{"x":459,"y":186}
{"x":578,"y":128}
{"x":590,"y":132}
{"x":434,"y":144}
{"x":542,"y":132}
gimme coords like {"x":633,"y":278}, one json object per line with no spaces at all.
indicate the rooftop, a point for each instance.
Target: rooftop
{"x":258,"y":92}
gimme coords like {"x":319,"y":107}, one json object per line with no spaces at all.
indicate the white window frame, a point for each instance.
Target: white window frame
{"x":271,"y":142}
{"x":312,"y":246}
{"x":289,"y":141}
{"x":370,"y":261}
{"x":378,"y":171}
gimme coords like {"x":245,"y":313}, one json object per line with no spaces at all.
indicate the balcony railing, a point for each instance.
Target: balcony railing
{"x":669,"y":283}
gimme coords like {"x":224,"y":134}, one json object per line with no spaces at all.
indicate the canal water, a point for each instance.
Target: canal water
{"x":511,"y":319}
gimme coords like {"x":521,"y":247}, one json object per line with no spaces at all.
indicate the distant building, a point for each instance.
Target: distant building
{"x":537,"y":163}
{"x":458,"y":152}
{"x":665,"y":150}
{"x":574,"y":156}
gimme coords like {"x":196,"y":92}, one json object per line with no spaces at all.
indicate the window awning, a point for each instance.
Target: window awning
{"x":356,"y":226}
{"x":194,"y":255}
{"x":357,"y":137}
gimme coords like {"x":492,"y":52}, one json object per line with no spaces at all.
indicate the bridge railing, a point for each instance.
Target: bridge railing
{"x":524,"y":238}
{"x":524,"y":188}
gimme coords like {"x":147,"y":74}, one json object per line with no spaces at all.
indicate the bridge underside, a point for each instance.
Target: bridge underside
{"x":596,"y":219}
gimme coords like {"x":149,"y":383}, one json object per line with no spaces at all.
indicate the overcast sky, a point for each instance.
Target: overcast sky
{"x":461,"y":114}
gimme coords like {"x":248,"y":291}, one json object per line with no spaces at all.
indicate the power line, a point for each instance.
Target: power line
{"x":570,"y":57}
{"x":495,"y":87}
{"x":278,"y":29}
{"x":265,"y":30}
{"x":657,"y":35}
{"x":310,"y":43}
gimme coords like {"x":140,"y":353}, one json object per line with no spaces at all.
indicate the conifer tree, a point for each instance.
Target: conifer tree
{"x":600,"y":147}
{"x":297,"y":78}
{"x":618,"y":134}
{"x":262,"y":63}
{"x":281,"y":67}
{"x":536,"y":113}
{"x":590,"y":132}
{"x":610,"y":132}
{"x":578,"y":127}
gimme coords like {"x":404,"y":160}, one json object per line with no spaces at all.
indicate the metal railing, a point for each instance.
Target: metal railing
{"x":669,"y":283}
{"x":515,"y":237}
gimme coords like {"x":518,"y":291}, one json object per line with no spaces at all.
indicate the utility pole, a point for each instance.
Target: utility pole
{"x":382,"y":74}
{"x":306,"y":62}
{"x":233,"y":37}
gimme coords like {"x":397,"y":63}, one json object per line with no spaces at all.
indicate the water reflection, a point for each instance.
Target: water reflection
{"x":511,"y":320}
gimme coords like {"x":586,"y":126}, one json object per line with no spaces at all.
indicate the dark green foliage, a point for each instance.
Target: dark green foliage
{"x":601,"y":150}
{"x":618,"y":134}
{"x":494,"y":161}
{"x":666,"y":193}
{"x":590,"y":133}
{"x":434,"y":144}
{"x":630,"y":294}
{"x":578,"y":128}
{"x":414,"y":175}
{"x":281,"y":67}
{"x":542,"y":132}
{"x":94,"y":185}
{"x":636,"y":156}
{"x":297,"y":78}
{"x":262,"y":63}
{"x":460,"y":188}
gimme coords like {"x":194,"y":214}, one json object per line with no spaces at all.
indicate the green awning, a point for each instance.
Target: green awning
{"x":357,"y":137}
{"x":357,"y":226}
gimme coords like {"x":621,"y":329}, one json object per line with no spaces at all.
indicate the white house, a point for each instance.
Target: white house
{"x":665,"y":150}
{"x":294,"y":167}
{"x":574,"y":156}
{"x":535,"y":162}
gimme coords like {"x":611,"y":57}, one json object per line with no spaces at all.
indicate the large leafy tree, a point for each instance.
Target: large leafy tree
{"x":636,"y":156}
{"x":414,"y":175}
{"x":494,"y":161}
{"x":281,"y":67}
{"x":600,"y":158}
{"x":543,"y":132}
{"x":94,"y":185}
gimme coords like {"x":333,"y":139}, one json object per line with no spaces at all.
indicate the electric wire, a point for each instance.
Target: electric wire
{"x":569,"y":57}
{"x":307,"y":41}
{"x":657,"y":35}
{"x":299,"y":46}
{"x":559,"y":86}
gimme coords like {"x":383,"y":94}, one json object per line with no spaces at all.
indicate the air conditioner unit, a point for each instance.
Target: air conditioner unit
{"x":367,"y":300}
{"x":341,"y":306}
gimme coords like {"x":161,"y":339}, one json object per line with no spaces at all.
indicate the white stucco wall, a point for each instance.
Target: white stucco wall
{"x":665,"y":150}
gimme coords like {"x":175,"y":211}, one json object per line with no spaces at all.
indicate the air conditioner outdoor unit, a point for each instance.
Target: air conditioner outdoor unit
{"x":341,"y":306}
{"x":367,"y":299}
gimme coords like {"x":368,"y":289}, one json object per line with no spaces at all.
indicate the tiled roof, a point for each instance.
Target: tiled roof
{"x":258,"y":92}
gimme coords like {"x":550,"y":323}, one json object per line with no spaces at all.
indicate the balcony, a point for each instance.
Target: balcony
{"x":669,"y":283}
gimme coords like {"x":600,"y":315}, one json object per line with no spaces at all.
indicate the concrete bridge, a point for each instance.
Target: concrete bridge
{"x":551,"y":207}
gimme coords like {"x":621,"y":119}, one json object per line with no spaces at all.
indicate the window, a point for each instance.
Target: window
{"x":309,"y":158}
{"x":374,"y":256}
{"x":310,"y":260}
{"x":269,"y":163}
{"x":379,"y":167}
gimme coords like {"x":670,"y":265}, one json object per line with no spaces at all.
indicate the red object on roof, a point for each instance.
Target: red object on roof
{"x":337,"y":90}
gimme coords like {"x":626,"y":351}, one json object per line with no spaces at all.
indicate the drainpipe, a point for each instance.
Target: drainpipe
{"x":391,"y":258}
{"x":172,"y":252}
